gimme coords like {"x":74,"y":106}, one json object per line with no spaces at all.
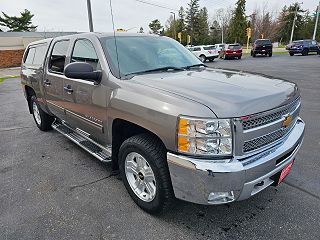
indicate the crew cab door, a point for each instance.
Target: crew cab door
{"x":54,"y":78}
{"x":85,"y":101}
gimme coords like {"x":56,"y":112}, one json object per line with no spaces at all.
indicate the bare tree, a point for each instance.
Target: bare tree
{"x":263,"y":22}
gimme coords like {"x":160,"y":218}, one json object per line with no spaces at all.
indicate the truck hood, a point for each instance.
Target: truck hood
{"x":226,"y":93}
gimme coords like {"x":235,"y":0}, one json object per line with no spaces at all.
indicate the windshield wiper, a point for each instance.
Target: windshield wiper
{"x":196,"y":65}
{"x":156,"y":70}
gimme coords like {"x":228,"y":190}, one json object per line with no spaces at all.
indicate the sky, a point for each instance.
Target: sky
{"x":71,"y":15}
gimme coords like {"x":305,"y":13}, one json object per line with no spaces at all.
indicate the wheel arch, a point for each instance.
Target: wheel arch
{"x":122,"y":130}
{"x":29,"y":93}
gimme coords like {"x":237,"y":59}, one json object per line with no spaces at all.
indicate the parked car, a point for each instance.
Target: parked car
{"x":205,"y":52}
{"x":304,"y":47}
{"x":171,"y":126}
{"x":232,"y":51}
{"x":262,"y":46}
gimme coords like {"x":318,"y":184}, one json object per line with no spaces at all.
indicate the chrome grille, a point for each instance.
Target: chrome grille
{"x":265,"y":139}
{"x":258,"y":120}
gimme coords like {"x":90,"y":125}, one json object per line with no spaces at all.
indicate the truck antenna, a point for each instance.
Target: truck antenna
{"x":115,"y":39}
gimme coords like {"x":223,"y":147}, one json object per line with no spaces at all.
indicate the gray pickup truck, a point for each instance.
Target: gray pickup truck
{"x":171,"y":126}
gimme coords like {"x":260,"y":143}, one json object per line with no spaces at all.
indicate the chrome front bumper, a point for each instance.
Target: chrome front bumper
{"x":194,"y":179}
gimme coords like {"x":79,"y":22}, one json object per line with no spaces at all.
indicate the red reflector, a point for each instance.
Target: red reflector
{"x":244,"y":118}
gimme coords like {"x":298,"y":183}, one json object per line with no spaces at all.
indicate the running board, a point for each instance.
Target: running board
{"x":95,"y":149}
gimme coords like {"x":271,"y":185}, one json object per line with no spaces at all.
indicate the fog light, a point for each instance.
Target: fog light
{"x":221,"y":197}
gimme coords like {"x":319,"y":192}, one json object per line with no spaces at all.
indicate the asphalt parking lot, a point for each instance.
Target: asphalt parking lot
{"x":51,"y":189}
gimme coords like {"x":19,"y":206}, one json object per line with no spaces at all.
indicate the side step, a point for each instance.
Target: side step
{"x":95,"y":149}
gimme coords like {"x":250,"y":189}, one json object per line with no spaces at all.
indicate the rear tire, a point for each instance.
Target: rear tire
{"x":254,"y":54}
{"x":42,"y":119}
{"x":141,"y":156}
{"x":270,"y":54}
{"x":239,"y":57}
{"x":203,"y":58}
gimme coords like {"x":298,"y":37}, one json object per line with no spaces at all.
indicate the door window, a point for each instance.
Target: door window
{"x":84,"y":51}
{"x":58,"y":56}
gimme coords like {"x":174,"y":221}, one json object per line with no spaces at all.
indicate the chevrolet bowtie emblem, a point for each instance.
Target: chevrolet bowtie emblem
{"x":287,"y":121}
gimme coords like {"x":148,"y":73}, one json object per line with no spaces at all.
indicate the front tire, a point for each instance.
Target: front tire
{"x":42,"y":119}
{"x":144,"y":171}
{"x":305,"y":52}
{"x":291,"y":54}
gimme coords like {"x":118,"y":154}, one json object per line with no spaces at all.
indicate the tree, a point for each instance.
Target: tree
{"x":192,"y":18}
{"x":285,"y":22}
{"x":18,"y":24}
{"x":155,"y":26}
{"x":202,"y":25}
{"x":238,"y":24}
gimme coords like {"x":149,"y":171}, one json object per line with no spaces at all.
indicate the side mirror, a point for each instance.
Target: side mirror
{"x":82,"y":70}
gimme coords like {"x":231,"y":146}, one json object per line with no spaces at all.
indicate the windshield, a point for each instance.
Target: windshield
{"x":263,"y":42}
{"x":144,"y":53}
{"x":234,"y":47}
{"x":297,"y":42}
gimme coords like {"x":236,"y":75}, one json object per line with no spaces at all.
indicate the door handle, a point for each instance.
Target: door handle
{"x":68,"y":89}
{"x":47,"y":82}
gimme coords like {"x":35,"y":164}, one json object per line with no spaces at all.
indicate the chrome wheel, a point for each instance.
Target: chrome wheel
{"x":140,"y":176}
{"x":36,"y":113}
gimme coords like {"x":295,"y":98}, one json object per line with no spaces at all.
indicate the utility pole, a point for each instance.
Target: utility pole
{"x":294,"y":21}
{"x":191,"y":34}
{"x":222,"y":37}
{"x":90,"y":15}
{"x":174,"y":25}
{"x":316,"y":25}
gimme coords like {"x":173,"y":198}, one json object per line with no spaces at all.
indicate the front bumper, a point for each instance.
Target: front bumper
{"x":194,"y":179}
{"x":295,"y":50}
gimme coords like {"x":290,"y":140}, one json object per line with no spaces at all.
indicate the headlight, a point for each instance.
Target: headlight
{"x":204,"y":136}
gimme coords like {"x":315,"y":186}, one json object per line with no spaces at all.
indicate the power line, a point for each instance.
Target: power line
{"x":157,"y":5}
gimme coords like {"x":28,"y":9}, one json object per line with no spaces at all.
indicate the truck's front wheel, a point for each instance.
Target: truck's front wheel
{"x":42,"y":119}
{"x":144,"y":171}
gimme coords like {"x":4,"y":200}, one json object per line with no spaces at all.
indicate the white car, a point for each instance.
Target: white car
{"x":205,"y":52}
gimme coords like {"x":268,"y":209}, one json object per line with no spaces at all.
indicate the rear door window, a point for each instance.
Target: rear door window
{"x":84,"y":51}
{"x":39,"y":56}
{"x":30,"y":55}
{"x":58,"y":56}
{"x":196,"y":49}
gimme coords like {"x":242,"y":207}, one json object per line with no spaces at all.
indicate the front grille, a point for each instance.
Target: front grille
{"x":258,"y":120}
{"x":265,"y":139}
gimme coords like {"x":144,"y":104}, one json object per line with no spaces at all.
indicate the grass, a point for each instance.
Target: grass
{"x":5,"y":78}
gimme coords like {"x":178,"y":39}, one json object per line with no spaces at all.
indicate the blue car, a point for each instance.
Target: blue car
{"x":304,"y":47}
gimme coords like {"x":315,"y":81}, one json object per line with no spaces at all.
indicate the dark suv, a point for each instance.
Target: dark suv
{"x":304,"y":47}
{"x":262,"y":46}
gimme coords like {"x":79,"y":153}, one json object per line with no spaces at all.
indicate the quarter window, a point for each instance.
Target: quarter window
{"x":58,"y":56}
{"x":30,"y":56}
{"x":39,"y":55}
{"x":84,"y":52}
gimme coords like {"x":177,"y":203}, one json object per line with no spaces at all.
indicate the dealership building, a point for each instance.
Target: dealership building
{"x":12,"y":45}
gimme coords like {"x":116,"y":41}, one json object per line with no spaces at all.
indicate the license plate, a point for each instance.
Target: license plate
{"x":263,"y":50}
{"x":234,"y":52}
{"x":285,"y":172}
